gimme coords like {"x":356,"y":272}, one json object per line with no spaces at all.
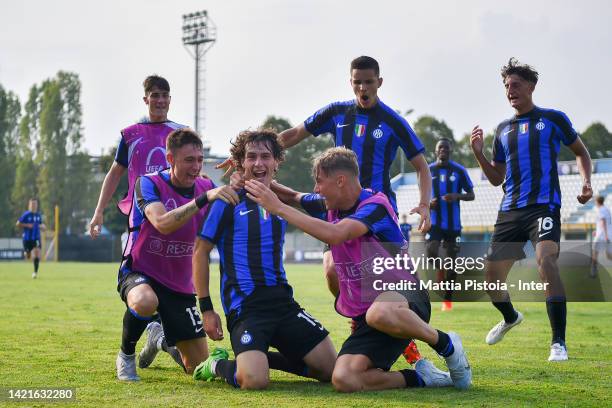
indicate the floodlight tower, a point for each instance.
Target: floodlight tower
{"x":199,"y":34}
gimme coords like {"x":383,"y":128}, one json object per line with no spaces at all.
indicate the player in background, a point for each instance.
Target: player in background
{"x":31,"y":222}
{"x":256,"y":296}
{"x":525,"y":150}
{"x":406,"y":228}
{"x":156,"y":274}
{"x":603,"y":232}
{"x":450,"y":184}
{"x":141,"y":150}
{"x":361,"y":227}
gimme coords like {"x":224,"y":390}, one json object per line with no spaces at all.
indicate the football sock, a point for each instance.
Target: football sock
{"x":450,"y":276}
{"x":444,"y":346}
{"x":36,"y":262}
{"x":556,"y":306}
{"x":227,"y":369}
{"x":412,"y":378}
{"x":133,"y":327}
{"x":507,"y":310}
{"x":277,"y":361}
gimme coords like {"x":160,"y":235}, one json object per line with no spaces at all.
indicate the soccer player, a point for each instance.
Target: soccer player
{"x":603,"y":231}
{"x":362,"y":227}
{"x":141,"y":150}
{"x":256,"y":296}
{"x":451,"y":184}
{"x":156,"y":274}
{"x":525,"y":152}
{"x":31,"y":222}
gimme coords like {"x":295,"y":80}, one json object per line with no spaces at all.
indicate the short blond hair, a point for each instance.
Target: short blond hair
{"x":336,"y":159}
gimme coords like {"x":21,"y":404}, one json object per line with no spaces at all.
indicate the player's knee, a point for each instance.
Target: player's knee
{"x":379,"y":315}
{"x":252,"y":380}
{"x":143,"y":302}
{"x":345,"y":381}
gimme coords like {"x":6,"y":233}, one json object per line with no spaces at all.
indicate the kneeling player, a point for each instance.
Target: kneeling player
{"x":256,"y":297}
{"x":156,"y":274}
{"x":363,"y":225}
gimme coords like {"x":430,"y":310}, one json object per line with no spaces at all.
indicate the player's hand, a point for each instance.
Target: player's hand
{"x":227,"y":165}
{"x":95,"y":226}
{"x":450,"y":197}
{"x":263,"y":196}
{"x":225,"y":193}
{"x":587,"y":193}
{"x":423,"y":211}
{"x":477,"y":139}
{"x":433,"y":204}
{"x":237,"y":180}
{"x":212,"y":325}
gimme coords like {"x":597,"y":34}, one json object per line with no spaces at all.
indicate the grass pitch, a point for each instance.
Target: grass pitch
{"x":64,"y":329}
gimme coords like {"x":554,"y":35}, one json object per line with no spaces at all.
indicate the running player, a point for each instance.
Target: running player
{"x":525,"y":151}
{"x":256,"y":297}
{"x":362,"y":228}
{"x":156,"y":275}
{"x":141,"y":150}
{"x":451,"y":184}
{"x":31,"y":223}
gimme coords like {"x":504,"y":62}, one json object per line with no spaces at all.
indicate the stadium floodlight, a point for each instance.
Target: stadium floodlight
{"x":199,"y":34}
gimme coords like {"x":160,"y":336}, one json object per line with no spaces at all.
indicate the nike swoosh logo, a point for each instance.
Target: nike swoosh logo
{"x":505,"y":133}
{"x":245,"y":212}
{"x":342,"y":125}
{"x":199,"y":329}
{"x":541,"y":235}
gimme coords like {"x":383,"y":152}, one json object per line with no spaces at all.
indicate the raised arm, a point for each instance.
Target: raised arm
{"x":494,"y":171}
{"x":424,"y":180}
{"x":109,"y":186}
{"x":293,"y":136}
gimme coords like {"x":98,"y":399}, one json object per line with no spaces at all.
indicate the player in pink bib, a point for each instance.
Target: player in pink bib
{"x":381,"y":296}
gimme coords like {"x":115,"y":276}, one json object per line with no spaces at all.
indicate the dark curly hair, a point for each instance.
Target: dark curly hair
{"x":268,"y":137}
{"x":514,"y":67}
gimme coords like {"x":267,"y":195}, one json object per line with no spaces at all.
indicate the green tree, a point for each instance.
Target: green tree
{"x":430,"y":130}
{"x":114,"y":220}
{"x":10,"y":112}
{"x":295,"y":171}
{"x":597,"y":140}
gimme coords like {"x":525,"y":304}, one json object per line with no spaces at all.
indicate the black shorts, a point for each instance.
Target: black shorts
{"x":535,"y":223}
{"x":450,"y":241}
{"x":179,"y":313}
{"x":381,"y":348}
{"x":30,"y":244}
{"x":271,"y":317}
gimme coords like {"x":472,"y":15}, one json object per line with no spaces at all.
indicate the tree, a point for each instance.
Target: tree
{"x":597,"y":140}
{"x":10,"y":112}
{"x":295,"y":171}
{"x":114,"y":220}
{"x":430,"y":130}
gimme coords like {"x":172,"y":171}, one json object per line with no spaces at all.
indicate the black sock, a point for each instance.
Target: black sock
{"x":556,"y":306}
{"x":277,"y":361}
{"x":164,"y":345}
{"x":227,"y":370}
{"x":133,"y":328}
{"x":36,"y":262}
{"x":507,"y":310}
{"x":412,"y":378}
{"x":450,"y":276}
{"x":444,"y":346}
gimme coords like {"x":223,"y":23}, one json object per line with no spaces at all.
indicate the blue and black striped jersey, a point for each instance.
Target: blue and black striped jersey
{"x":373,"y":134}
{"x":448,"y":178}
{"x":34,"y":218}
{"x":250,"y":244}
{"x":529,"y":145}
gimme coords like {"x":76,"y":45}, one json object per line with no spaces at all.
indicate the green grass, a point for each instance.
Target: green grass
{"x":64,"y":330}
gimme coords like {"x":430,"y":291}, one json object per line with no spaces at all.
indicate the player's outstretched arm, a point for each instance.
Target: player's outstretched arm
{"x":424,"y":179}
{"x":494,"y":171}
{"x":167,"y":222}
{"x":111,"y":181}
{"x":293,"y":136}
{"x":332,"y":234}
{"x":583,"y":161}
{"x":201,"y":282}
